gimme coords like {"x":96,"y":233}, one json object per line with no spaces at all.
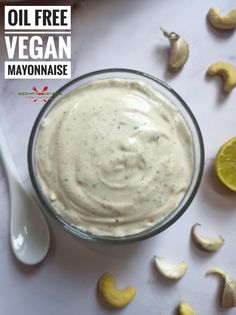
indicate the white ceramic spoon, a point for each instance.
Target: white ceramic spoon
{"x":29,"y":231}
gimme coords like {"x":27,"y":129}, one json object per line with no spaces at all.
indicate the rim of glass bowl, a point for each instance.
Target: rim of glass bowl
{"x":197,"y":144}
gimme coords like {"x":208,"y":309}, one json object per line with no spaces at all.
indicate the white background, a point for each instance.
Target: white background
{"x":125,"y":33}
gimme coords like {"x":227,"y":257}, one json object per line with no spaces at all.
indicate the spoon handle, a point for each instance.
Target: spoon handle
{"x":29,"y":233}
{"x":7,"y":159}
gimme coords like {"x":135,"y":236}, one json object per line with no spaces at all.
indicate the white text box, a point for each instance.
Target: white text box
{"x":37,"y":70}
{"x":37,"y":17}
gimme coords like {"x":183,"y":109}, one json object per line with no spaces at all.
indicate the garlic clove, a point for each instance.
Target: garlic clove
{"x":179,"y":50}
{"x":228,"y":298}
{"x":170,"y":271}
{"x":209,"y":244}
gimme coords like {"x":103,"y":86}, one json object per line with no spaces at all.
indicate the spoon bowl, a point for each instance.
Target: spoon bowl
{"x":28,"y":229}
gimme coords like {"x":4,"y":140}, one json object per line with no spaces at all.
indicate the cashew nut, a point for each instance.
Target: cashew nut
{"x":222,"y":22}
{"x":113,"y":296}
{"x":228,"y":298}
{"x":186,"y":309}
{"x":209,"y":244}
{"x":179,"y":51}
{"x":227,"y":71}
{"x":170,"y":271}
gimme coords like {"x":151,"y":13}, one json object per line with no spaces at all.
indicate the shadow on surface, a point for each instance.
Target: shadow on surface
{"x":221,"y":96}
{"x":162,"y":54}
{"x":220,"y":34}
{"x":214,"y":192}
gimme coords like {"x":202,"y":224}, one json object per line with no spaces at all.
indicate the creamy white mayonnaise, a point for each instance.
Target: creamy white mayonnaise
{"x":114,"y":157}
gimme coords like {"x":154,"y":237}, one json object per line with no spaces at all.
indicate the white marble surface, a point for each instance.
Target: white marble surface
{"x":125,"y":33}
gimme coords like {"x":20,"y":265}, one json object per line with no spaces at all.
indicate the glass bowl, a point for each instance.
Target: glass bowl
{"x":176,"y":100}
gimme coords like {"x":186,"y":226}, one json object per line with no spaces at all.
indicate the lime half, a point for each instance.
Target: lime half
{"x":225,"y":164}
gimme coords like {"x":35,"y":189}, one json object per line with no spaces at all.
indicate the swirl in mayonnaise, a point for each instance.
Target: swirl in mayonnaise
{"x":114,"y":157}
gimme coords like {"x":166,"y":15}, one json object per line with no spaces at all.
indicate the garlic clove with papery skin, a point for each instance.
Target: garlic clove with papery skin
{"x":170,"y":271}
{"x":179,"y":50}
{"x":228,"y":298}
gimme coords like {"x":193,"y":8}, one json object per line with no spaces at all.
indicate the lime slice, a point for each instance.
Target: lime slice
{"x":225,"y":164}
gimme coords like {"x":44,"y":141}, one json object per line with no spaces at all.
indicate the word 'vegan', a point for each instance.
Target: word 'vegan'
{"x":35,"y":48}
